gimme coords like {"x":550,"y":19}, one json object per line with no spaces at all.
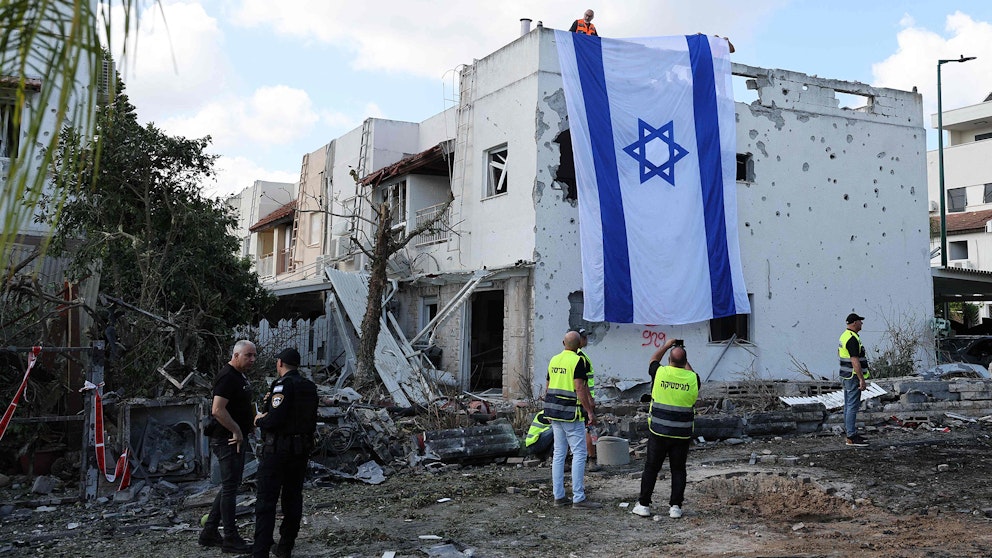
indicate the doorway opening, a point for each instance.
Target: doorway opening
{"x":486,"y":341}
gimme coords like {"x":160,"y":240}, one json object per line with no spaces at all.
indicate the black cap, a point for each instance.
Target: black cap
{"x":852,"y":317}
{"x":290,"y":357}
{"x":582,"y":332}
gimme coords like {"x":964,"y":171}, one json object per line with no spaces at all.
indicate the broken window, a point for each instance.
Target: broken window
{"x":565,"y":173}
{"x":745,"y":167}
{"x":957,"y":199}
{"x":576,"y":306}
{"x":9,"y":129}
{"x":394,"y":196}
{"x":428,"y":310}
{"x":722,"y":329}
{"x":496,"y":171}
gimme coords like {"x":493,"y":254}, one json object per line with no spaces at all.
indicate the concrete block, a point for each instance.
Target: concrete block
{"x":789,"y":461}
{"x":768,"y":459}
{"x":43,"y":485}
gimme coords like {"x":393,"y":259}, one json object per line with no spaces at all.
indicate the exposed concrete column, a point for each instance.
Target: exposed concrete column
{"x":517,"y":374}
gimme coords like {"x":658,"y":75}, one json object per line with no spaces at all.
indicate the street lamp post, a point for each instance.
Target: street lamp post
{"x":940,"y":159}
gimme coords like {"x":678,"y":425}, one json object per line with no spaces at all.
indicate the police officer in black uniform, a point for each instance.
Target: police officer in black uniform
{"x":288,"y":421}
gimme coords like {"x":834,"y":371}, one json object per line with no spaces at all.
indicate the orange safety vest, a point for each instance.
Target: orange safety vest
{"x":582,"y":27}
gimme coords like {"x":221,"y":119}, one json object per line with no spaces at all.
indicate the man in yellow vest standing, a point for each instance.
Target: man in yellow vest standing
{"x":853,"y":371}
{"x":584,"y":25}
{"x":567,"y":392}
{"x":590,"y":443}
{"x":674,"y":391}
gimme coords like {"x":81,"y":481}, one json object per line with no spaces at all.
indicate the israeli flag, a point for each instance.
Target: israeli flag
{"x":654,"y":141}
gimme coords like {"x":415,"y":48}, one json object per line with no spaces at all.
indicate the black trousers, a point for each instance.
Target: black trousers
{"x":280,"y":472}
{"x":659,"y":447}
{"x":232,"y":466}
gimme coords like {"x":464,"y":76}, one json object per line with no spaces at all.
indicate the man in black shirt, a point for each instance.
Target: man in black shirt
{"x":288,"y":420}
{"x":232,"y":407}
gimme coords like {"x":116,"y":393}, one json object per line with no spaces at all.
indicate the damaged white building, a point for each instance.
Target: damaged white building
{"x":833,"y":218}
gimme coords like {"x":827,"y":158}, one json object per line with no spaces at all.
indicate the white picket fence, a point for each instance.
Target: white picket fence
{"x":312,"y":338}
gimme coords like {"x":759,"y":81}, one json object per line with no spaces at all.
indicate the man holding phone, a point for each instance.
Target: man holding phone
{"x":674,"y":391}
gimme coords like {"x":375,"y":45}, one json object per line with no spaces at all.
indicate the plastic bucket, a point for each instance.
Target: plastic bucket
{"x":611,"y":450}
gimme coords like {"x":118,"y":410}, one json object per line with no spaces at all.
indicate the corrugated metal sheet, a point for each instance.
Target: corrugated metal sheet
{"x":404,"y":381}
{"x":835,"y":399}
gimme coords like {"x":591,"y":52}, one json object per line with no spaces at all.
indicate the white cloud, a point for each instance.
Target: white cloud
{"x":271,"y":116}
{"x":915,"y":63}
{"x":234,"y":174}
{"x":429,"y":37}
{"x":173,"y":63}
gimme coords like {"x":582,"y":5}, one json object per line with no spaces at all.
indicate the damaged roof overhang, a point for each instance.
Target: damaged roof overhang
{"x":519,"y":269}
{"x":435,"y":161}
{"x":953,"y":284}
{"x":30,"y":84}
{"x":282,"y":215}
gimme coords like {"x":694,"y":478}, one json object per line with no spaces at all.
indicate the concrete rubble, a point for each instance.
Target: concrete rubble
{"x":366,"y":443}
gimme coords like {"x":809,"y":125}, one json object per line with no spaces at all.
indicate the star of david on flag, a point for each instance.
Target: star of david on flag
{"x":654,"y":142}
{"x":639,"y":151}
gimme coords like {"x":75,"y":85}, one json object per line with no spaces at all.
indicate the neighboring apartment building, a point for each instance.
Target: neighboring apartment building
{"x":832,"y":216}
{"x":253,"y":205}
{"x":968,"y":198}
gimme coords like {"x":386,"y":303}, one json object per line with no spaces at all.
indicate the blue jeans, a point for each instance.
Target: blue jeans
{"x":232,"y":467}
{"x":569,"y":435}
{"x":852,"y":401}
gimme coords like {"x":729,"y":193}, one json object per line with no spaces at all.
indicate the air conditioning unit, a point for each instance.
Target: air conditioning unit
{"x":988,"y":227}
{"x":968,"y":264}
{"x":342,"y":247}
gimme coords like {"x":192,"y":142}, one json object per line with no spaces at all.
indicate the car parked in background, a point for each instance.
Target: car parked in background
{"x":976,"y":349}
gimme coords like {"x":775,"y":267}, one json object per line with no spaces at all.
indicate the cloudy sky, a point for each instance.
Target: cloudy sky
{"x":272,"y":80}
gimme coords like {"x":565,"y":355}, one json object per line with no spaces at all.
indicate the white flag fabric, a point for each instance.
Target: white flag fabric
{"x":654,"y":141}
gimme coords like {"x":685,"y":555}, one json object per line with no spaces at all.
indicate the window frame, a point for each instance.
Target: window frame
{"x":496,"y":171}
{"x":957,"y":194}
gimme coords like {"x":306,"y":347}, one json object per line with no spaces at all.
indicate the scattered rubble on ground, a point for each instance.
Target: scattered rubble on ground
{"x":383,"y":477}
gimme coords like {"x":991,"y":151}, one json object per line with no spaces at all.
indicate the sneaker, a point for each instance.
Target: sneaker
{"x":235,"y":545}
{"x":593,"y":467}
{"x":562,"y":502}
{"x":643,"y":511}
{"x":857,"y":441}
{"x":587,"y":504}
{"x":210,"y":537}
{"x":675,"y":512}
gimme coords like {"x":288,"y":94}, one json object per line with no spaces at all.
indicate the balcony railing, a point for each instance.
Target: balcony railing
{"x":441,"y":230}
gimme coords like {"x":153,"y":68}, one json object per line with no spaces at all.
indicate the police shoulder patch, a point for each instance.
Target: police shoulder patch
{"x":277,"y":388}
{"x":277,"y":400}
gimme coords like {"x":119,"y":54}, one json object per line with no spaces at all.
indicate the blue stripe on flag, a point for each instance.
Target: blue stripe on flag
{"x":618,"y":295}
{"x":711,"y":174}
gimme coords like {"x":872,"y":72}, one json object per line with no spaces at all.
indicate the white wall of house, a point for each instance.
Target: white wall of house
{"x":253,"y":203}
{"x":834,"y":221}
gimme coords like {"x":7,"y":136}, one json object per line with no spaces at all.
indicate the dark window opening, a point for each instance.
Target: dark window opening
{"x":985,"y":136}
{"x":722,"y":329}
{"x":987,"y":198}
{"x":566,"y":165}
{"x":745,"y":167}
{"x":957,"y":200}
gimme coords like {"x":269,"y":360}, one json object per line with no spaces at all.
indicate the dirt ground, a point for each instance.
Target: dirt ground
{"x":913,"y":493}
